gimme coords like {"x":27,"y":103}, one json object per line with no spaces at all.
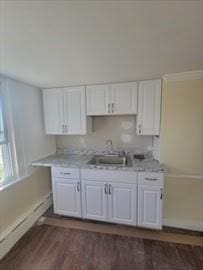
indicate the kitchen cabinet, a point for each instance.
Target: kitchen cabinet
{"x":122,"y":203}
{"x":53,"y":111}
{"x":124,"y":98}
{"x":116,"y":196}
{"x":94,"y":200}
{"x":150,"y":200}
{"x":112,"y":99}
{"x":109,"y":196}
{"x":67,"y":197}
{"x":98,"y":99}
{"x":65,"y":111}
{"x":149,"y":107}
{"x":66,"y":192}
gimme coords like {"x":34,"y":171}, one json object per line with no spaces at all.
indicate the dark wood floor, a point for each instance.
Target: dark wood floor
{"x":54,"y":248}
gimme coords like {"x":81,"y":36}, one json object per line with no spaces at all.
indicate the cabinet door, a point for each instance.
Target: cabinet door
{"x":149,"y":107}
{"x":124,"y":98}
{"x":150,"y":206}
{"x":53,"y":111}
{"x":98,"y":99}
{"x":74,"y":110}
{"x":94,"y":200}
{"x":123,"y":203}
{"x":67,"y":198}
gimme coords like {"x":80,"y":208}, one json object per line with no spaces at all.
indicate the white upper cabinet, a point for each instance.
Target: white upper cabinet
{"x":98,"y":99}
{"x":53,"y":110}
{"x":149,"y":107}
{"x":65,"y":111}
{"x":124,"y":98}
{"x":74,"y":110}
{"x":112,"y":99}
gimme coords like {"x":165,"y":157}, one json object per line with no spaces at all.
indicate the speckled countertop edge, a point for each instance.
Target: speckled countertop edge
{"x":81,"y":160}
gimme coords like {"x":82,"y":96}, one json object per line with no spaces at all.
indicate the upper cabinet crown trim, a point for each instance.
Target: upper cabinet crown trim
{"x":189,"y":75}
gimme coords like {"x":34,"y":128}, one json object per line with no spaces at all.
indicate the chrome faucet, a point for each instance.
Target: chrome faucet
{"x":109,"y":146}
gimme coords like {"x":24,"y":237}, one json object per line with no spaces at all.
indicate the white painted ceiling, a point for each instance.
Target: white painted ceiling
{"x":58,"y":43}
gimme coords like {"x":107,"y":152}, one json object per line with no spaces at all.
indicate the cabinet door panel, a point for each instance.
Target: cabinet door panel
{"x":74,"y":110}
{"x":98,"y":99}
{"x":53,"y":111}
{"x":150,"y":206}
{"x":124,"y":98}
{"x":94,"y":200}
{"x":67,"y":199}
{"x":149,"y":107}
{"x":122,"y":203}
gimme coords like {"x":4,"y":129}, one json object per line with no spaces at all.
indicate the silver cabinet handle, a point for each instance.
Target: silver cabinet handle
{"x":139,"y":128}
{"x":63,"y":129}
{"x":109,"y":108}
{"x":161,"y":196}
{"x":78,"y":186}
{"x":110,"y":189}
{"x":151,"y":179}
{"x":65,"y":173}
{"x":112,"y":107}
{"x":66,"y":128}
{"x":106,"y":189}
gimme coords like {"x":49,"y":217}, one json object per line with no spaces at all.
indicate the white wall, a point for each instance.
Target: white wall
{"x":25,"y":116}
{"x":24,"y":105}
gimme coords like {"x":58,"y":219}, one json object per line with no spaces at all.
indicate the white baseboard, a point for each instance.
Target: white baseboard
{"x":184,"y":224}
{"x":23,"y":224}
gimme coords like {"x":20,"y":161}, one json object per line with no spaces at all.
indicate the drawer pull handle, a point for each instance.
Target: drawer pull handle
{"x":78,"y":186}
{"x":161,"y":196}
{"x":151,"y":179}
{"x":65,"y":173}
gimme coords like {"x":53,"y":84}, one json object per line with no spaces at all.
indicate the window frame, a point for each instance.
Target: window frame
{"x":8,"y":152}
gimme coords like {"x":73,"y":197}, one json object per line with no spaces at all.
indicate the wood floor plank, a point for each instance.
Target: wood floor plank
{"x":125,"y":231}
{"x":48,"y":247}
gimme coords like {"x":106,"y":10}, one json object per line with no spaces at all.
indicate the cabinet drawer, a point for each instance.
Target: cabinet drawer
{"x":121,"y":176}
{"x":69,"y":173}
{"x":150,"y":178}
{"x":93,"y":174}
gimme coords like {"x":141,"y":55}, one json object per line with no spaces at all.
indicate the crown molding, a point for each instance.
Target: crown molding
{"x":182,"y":76}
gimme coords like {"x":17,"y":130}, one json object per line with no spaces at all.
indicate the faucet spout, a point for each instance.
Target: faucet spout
{"x":109,"y":146}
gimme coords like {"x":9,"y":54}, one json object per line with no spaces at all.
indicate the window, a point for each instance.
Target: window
{"x":6,"y":168}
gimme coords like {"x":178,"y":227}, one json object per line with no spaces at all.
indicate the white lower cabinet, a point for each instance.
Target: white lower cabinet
{"x":67,"y":199}
{"x":94,"y":200}
{"x":122,"y":203}
{"x":112,"y":196}
{"x":150,"y":200}
{"x":110,"y":201}
{"x":66,"y":191}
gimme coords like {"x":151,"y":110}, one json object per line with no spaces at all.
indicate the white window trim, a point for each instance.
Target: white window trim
{"x":11,"y":139}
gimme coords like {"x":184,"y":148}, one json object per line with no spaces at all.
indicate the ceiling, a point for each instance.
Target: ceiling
{"x":58,"y":43}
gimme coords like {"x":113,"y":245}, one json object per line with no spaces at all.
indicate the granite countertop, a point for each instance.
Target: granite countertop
{"x":81,"y":160}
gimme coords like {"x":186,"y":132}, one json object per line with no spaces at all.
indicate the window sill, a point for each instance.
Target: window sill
{"x":6,"y":183}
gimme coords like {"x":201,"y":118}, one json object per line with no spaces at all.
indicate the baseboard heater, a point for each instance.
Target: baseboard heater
{"x":7,"y":242}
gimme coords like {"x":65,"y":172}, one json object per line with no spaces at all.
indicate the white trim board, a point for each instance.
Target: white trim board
{"x":185,"y":176}
{"x":23,"y":224}
{"x":184,"y":224}
{"x":182,"y":76}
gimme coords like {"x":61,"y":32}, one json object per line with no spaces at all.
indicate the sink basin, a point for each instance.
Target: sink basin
{"x":111,"y":160}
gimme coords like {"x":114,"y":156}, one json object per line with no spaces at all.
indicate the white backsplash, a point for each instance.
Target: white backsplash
{"x":120,"y":129}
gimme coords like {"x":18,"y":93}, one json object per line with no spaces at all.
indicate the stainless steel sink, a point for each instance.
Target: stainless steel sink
{"x":124,"y":161}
